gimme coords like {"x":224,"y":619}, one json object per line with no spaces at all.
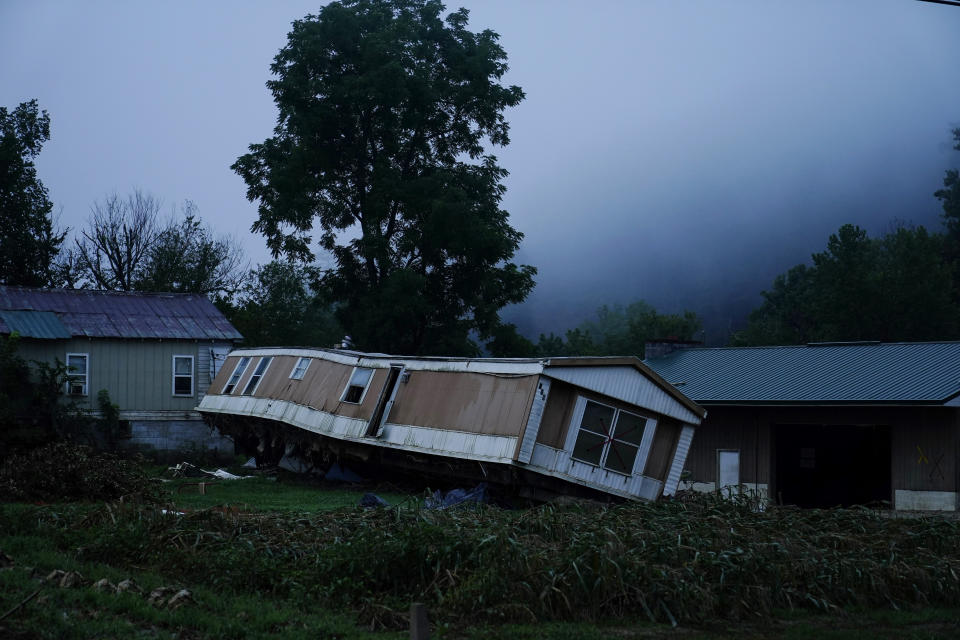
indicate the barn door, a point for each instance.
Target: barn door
{"x":385,"y":403}
{"x":728,"y":466}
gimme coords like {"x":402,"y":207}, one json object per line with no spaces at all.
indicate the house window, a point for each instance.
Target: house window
{"x":357,"y":387}
{"x":608,"y":438}
{"x":183,"y":375}
{"x":235,"y":376}
{"x":77,"y":368}
{"x":257,"y":376}
{"x":300,"y":369}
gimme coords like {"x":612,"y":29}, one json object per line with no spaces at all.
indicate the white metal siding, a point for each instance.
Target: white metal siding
{"x":679,"y":459}
{"x":626,"y":384}
{"x":533,"y":422}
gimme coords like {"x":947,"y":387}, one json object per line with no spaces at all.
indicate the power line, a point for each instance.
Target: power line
{"x":952,"y":3}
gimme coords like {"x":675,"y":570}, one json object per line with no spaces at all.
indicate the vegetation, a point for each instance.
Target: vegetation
{"x":28,"y":242}
{"x":862,"y":288}
{"x":384,"y":108}
{"x":284,"y":303}
{"x":619,"y":331}
{"x":693,"y":562}
{"x":61,"y":471}
{"x":126,"y":247}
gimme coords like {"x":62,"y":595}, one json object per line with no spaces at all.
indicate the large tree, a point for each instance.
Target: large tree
{"x":282,"y":303}
{"x":28,"y":242}
{"x":384,"y":110}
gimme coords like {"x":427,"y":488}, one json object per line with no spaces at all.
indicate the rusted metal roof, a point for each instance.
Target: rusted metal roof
{"x":111,"y":314}
{"x":831,"y":373}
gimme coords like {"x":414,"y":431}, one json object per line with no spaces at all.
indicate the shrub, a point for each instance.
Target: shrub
{"x":61,"y":471}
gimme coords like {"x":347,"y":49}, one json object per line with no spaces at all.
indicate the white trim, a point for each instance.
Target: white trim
{"x":679,"y":459}
{"x":233,"y":373}
{"x":173,"y":376}
{"x":532,"y":428}
{"x":366,"y":386}
{"x":373,"y":361}
{"x":559,"y":464}
{"x":86,"y":374}
{"x":646,"y":444}
{"x":296,"y":365}
{"x":253,"y":374}
{"x":388,"y":407}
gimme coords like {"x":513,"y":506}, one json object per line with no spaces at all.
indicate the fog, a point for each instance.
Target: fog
{"x":678,"y":152}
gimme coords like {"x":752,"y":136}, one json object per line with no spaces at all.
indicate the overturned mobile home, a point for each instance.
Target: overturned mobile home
{"x":541,"y":427}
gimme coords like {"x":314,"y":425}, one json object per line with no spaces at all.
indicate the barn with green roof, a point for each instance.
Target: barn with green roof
{"x":824,"y":424}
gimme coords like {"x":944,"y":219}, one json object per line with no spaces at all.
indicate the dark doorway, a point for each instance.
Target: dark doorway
{"x":384,"y":404}
{"x":831,"y":465}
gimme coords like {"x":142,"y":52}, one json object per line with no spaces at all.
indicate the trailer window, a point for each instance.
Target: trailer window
{"x":357,"y":387}
{"x":235,"y":376}
{"x":257,"y":376}
{"x":300,"y":369}
{"x":608,"y":438}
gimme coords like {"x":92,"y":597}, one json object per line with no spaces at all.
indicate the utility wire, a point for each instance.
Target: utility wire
{"x":951,"y":3}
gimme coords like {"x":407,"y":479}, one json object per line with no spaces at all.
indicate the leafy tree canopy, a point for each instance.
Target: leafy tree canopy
{"x":950,"y":195}
{"x":384,"y":109}
{"x":28,"y":242}
{"x":620,"y":331}
{"x":283,"y":304}
{"x":861,"y":288}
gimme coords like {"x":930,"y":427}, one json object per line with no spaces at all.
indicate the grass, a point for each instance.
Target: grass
{"x":294,"y":559}
{"x":268,"y":494}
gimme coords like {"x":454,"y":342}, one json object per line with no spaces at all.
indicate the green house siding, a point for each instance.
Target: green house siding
{"x":138,"y":374}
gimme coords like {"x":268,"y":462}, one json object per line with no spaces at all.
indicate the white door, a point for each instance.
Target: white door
{"x":728,"y":463}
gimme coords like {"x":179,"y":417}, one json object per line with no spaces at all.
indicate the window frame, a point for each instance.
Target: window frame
{"x":174,"y":375}
{"x":366,"y":387}
{"x":255,"y":378}
{"x":576,"y":425}
{"x":236,"y":373}
{"x":86,"y":374}
{"x":296,"y":366}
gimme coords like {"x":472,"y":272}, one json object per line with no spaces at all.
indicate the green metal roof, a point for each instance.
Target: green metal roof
{"x":35,"y":324}
{"x":830,"y":373}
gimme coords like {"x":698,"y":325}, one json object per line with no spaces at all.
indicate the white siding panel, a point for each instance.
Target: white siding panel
{"x":626,"y":384}
{"x":533,"y":421}
{"x":679,"y":459}
{"x":557,"y":463}
{"x":458,"y":444}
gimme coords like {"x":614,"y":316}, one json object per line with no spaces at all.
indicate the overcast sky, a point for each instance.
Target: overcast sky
{"x":682,"y":152}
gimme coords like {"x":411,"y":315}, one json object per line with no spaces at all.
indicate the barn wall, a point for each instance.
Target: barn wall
{"x":924,"y":446}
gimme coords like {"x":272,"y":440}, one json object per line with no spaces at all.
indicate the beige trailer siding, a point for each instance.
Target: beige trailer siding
{"x":662,"y":450}
{"x":321,"y":387}
{"x":472,"y":402}
{"x":557,"y":414}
